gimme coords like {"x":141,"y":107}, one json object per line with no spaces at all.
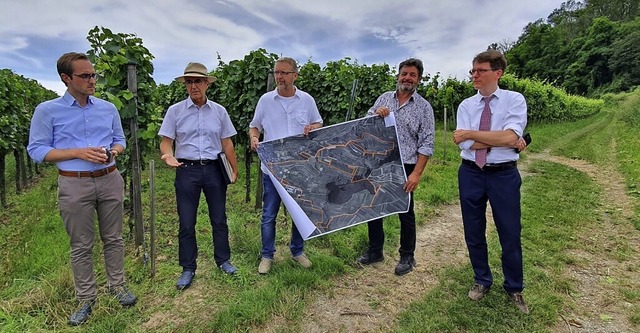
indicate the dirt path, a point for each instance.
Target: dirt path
{"x":371,"y":299}
{"x":611,"y":263}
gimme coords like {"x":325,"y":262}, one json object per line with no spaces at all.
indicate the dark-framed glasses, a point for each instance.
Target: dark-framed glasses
{"x":480,"y":71}
{"x":282,"y":73}
{"x":87,"y":76}
{"x":196,"y":82}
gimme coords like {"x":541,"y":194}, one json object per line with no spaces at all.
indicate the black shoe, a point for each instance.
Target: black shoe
{"x":82,"y":314}
{"x":369,"y":258}
{"x":405,"y":265}
{"x":184,"y":281}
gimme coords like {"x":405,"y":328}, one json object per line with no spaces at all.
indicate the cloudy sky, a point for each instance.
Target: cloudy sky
{"x":444,"y":34}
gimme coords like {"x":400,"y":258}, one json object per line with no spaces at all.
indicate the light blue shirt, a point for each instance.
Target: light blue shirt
{"x":197,"y":132}
{"x":508,"y":112}
{"x":279,"y":117}
{"x":62,"y":123}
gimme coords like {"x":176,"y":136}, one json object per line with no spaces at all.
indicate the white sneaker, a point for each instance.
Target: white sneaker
{"x":265,"y":265}
{"x":302,"y":260}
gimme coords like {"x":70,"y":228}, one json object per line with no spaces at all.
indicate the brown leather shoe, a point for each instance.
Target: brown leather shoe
{"x":478,"y":291}
{"x":518,"y":300}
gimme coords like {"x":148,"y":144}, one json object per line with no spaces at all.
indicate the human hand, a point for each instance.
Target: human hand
{"x":309,"y":128}
{"x":170,"y":160}
{"x":412,"y":183}
{"x":460,"y":135}
{"x":92,"y":154}
{"x":254,"y":143}
{"x":383,"y":111}
{"x":521,"y":145}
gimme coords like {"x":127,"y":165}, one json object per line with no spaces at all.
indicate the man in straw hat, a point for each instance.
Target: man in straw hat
{"x":200,"y":130}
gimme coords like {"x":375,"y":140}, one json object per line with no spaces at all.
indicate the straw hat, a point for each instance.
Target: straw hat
{"x":196,"y":69}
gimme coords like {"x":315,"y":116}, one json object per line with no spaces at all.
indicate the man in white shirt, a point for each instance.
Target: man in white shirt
{"x":490,"y":125}
{"x":283,"y":112}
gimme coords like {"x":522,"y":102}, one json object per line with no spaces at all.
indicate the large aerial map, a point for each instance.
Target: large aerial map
{"x":338,"y":176}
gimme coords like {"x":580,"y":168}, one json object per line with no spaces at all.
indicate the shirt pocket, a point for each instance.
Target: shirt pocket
{"x":301,"y":116}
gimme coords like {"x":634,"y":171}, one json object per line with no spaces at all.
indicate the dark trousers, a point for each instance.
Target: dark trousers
{"x":407,"y":228}
{"x":502,"y":190}
{"x":190,"y":181}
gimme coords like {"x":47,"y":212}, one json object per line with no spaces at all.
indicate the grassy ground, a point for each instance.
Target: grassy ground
{"x":36,"y":288}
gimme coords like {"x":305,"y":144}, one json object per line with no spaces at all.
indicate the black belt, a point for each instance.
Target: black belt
{"x":492,"y":167}
{"x":197,"y":162}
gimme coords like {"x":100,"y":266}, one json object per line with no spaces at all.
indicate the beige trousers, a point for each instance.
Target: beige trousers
{"x":79,"y":199}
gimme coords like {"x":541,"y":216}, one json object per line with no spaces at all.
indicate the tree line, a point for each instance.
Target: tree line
{"x":588,"y":48}
{"x":240,"y":84}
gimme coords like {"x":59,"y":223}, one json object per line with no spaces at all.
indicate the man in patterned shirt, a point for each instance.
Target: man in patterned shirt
{"x":416,"y":129}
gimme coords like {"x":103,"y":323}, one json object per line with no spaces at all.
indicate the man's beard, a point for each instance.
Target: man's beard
{"x":409,"y":89}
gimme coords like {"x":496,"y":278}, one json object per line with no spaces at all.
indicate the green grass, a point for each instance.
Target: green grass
{"x":36,"y":288}
{"x":544,"y":241}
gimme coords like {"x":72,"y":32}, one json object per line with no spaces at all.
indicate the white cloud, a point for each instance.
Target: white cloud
{"x":445,"y":34}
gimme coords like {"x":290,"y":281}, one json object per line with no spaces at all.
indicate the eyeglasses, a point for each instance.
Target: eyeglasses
{"x":196,"y":82}
{"x":282,"y":73}
{"x":86,"y":77}
{"x":479,"y":71}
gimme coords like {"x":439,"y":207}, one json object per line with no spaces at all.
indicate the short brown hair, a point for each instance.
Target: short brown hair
{"x":290,"y":61}
{"x":495,"y":59}
{"x":65,"y":63}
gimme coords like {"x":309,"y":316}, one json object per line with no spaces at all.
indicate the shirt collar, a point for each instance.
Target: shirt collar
{"x":498,"y":93}
{"x":190,"y":103}
{"x":70,"y":100}
{"x":276,"y":95}
{"x":415,"y":92}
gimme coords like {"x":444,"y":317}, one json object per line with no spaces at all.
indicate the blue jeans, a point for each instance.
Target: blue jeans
{"x":270,"y":207}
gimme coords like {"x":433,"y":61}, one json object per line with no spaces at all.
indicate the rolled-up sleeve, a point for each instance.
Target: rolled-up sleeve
{"x":40,"y":134}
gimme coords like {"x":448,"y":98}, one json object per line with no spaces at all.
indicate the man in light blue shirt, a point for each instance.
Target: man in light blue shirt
{"x":83,"y":134}
{"x":283,"y":112}
{"x":200,"y":129}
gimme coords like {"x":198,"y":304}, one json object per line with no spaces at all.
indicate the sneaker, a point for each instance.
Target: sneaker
{"x":302,"y":260}
{"x":518,"y":300}
{"x":123,"y":295}
{"x":228,"y":268}
{"x":82,"y":313}
{"x":184,"y":281}
{"x":369,"y":258}
{"x":265,"y":265}
{"x":478,"y":291}
{"x":405,"y":265}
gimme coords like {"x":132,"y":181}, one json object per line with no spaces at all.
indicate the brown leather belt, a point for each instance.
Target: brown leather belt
{"x":92,"y":174}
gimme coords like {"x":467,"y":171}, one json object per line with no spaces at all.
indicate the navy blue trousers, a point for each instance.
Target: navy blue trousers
{"x":407,"y":228}
{"x":190,"y":181}
{"x":502,"y":190}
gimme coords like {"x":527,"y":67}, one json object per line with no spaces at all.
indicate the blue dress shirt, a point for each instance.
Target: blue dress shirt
{"x":62,"y":123}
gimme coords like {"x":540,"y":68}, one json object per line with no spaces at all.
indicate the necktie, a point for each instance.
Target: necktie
{"x":485,"y":125}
